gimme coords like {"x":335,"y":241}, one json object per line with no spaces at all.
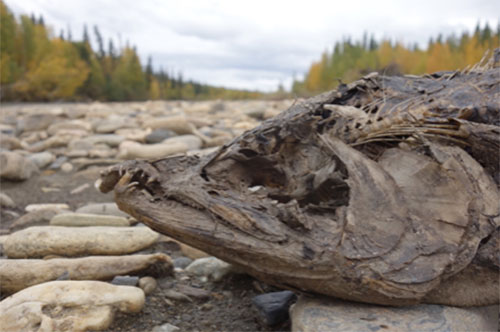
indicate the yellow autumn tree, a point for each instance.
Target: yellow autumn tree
{"x":57,"y":75}
{"x":154,"y":89}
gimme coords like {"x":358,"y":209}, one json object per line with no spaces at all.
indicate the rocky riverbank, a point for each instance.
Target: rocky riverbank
{"x":73,"y":261}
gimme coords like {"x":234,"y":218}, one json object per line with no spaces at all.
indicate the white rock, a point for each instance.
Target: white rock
{"x":165,"y":328}
{"x":210,"y":267}
{"x":13,"y":166}
{"x":102,"y":208}
{"x":46,"y":206}
{"x":51,"y":142}
{"x":17,"y":274}
{"x":134,"y":150}
{"x":191,"y":141}
{"x":73,"y":125}
{"x":85,"y":219}
{"x":78,"y":241}
{"x":177,"y":123}
{"x":68,"y":306}
{"x":66,"y":167}
{"x":134,"y":134}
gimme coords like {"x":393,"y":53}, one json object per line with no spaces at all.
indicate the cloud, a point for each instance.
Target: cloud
{"x":255,"y":44}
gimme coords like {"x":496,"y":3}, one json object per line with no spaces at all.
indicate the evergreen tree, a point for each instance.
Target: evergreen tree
{"x":100,"y":43}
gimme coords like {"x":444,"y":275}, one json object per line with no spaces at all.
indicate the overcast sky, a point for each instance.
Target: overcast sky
{"x":254,"y":44}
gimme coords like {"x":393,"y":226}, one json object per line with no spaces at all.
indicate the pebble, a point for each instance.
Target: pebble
{"x":182,"y":262}
{"x":34,"y":218}
{"x":46,"y":206}
{"x":66,"y":167}
{"x":209,"y":267}
{"x":17,"y":274}
{"x":79,"y":305}
{"x":15,"y":167}
{"x":109,"y":139}
{"x":6,"y":201}
{"x":134,"y":150}
{"x":110,"y":209}
{"x":165,"y":328}
{"x":85,"y":219}
{"x":328,"y":314}
{"x":148,"y":284}
{"x":175,"y":295}
{"x":159,"y":135}
{"x":198,"y":293}
{"x":40,"y":241}
{"x":42,"y":159}
{"x":179,"y":124}
{"x":80,"y":189}
{"x":273,"y":307}
{"x":35,"y":122}
{"x":125,"y":281}
{"x":8,"y":142}
{"x":58,"y":162}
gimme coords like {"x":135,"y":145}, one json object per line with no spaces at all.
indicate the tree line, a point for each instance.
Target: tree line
{"x":349,"y":60}
{"x":35,"y":65}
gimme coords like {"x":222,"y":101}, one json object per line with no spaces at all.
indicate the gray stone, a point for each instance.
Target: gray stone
{"x":273,"y":307}
{"x":165,"y":328}
{"x":209,"y":267}
{"x":34,"y":218}
{"x":58,"y":162}
{"x":125,"y":280}
{"x":182,"y":262}
{"x":109,"y":139}
{"x":6,"y":201}
{"x":36,"y":122}
{"x":159,"y":135}
{"x":198,"y":293}
{"x":8,"y":142}
{"x":111,"y":125}
{"x":42,"y":159}
{"x":328,"y":314}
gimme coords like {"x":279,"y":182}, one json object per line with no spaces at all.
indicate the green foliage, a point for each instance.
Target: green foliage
{"x":349,"y":61}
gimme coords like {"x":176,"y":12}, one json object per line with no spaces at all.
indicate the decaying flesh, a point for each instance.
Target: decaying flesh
{"x":383,"y":191}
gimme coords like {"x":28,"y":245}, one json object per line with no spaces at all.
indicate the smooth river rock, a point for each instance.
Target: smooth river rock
{"x":86,"y":219}
{"x":323,"y":314}
{"x":42,"y":159}
{"x":176,"y":123}
{"x":68,"y":306}
{"x":17,"y":274}
{"x":41,"y":241}
{"x":210,"y":268}
{"x":15,"y":167}
{"x":134,"y":150}
{"x":110,"y":209}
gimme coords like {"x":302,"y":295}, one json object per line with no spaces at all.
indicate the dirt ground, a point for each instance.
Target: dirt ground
{"x":225,"y":306}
